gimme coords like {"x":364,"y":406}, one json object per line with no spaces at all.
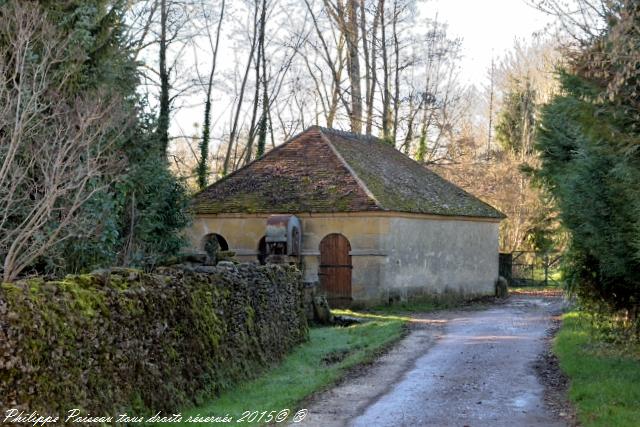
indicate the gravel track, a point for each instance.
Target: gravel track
{"x":455,"y":368}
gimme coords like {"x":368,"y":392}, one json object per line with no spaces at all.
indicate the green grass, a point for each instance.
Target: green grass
{"x":313,"y":366}
{"x":605,"y":377}
{"x":554,"y":275}
{"x":550,"y":287}
{"x":402,"y":310}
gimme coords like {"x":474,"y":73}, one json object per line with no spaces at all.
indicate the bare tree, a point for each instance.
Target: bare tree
{"x":397,"y":70}
{"x":386,"y":93}
{"x":141,"y":17}
{"x":214,"y":44}
{"x":263,"y":124}
{"x":431,"y":100}
{"x":370,"y":60}
{"x":165,"y":103}
{"x":334,"y":59}
{"x":260,"y":81}
{"x":499,"y":180}
{"x":233,"y":136}
{"x":491,"y":96}
{"x":345,"y":17}
{"x":160,"y":31}
{"x":355,"y":64}
{"x":581,"y":20}
{"x":55,"y":151}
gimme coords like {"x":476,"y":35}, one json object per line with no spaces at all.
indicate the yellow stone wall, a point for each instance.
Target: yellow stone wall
{"x":389,"y":250}
{"x":364,"y":232}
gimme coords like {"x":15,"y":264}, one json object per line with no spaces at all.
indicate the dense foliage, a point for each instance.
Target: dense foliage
{"x":588,"y":144}
{"x":123,"y":340}
{"x":132,"y":211}
{"x":143,"y":211}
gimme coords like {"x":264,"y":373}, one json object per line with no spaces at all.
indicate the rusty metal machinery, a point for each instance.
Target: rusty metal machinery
{"x":283,"y":239}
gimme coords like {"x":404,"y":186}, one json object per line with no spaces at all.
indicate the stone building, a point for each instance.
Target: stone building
{"x":376,"y":225}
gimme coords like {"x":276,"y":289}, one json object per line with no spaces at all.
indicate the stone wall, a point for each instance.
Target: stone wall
{"x":363,"y":230}
{"x":122,"y":340}
{"x":394,"y":255}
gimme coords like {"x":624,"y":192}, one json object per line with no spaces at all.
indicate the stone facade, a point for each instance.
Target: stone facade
{"x":394,"y":255}
{"x":389,"y":227}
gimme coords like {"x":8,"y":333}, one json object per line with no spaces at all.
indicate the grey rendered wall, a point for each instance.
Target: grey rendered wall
{"x":438,"y":255}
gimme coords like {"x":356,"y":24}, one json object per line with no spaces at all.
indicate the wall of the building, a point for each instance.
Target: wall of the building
{"x":243,"y":233}
{"x":392,"y":255}
{"x":436,"y":256}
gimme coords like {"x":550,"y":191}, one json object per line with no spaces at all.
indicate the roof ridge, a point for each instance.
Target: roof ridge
{"x":353,"y":173}
{"x":347,"y":134}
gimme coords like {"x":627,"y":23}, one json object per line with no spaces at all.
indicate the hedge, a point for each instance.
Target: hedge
{"x":123,"y":340}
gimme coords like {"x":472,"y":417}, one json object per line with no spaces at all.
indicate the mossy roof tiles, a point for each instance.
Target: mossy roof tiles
{"x":326,"y":170}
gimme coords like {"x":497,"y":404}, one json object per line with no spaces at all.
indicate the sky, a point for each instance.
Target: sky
{"x":487,"y":27}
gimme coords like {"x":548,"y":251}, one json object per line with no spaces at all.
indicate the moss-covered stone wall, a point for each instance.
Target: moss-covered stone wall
{"x":123,"y":340}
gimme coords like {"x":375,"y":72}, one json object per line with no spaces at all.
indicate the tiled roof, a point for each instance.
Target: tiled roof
{"x":326,"y":170}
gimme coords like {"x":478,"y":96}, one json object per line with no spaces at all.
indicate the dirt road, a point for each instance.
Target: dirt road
{"x":465,"y":368}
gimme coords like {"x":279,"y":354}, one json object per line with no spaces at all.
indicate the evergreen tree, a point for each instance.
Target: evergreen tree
{"x":594,"y":182}
{"x":516,"y":120}
{"x":138,"y":218}
{"x":587,"y":140}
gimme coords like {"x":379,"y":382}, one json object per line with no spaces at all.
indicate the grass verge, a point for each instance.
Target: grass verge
{"x":404,"y":309}
{"x":313,"y":366}
{"x":604,"y":376}
{"x":535,"y":288}
{"x":552,"y":289}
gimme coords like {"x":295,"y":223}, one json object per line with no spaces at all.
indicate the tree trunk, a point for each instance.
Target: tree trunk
{"x":374,"y":72}
{"x":409,"y":136}
{"x":396,"y":96}
{"x":163,"y":117}
{"x":354,"y":66}
{"x":264,"y":118}
{"x":490,"y":113}
{"x":365,"y":51}
{"x":254,"y":115}
{"x":203,"y":167}
{"x":335,"y":93}
{"x":386,"y":96}
{"x":236,"y":119}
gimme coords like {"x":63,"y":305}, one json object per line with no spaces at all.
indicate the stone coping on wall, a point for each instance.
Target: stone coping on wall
{"x":387,"y":214}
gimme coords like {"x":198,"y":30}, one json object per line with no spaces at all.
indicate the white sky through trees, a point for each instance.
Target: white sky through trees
{"x":487,"y":28}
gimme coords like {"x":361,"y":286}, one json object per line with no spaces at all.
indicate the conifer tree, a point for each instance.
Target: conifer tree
{"x":137,"y":219}
{"x":594,"y":183}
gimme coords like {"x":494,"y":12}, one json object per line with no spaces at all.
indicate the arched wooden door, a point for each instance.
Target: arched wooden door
{"x":335,"y":269}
